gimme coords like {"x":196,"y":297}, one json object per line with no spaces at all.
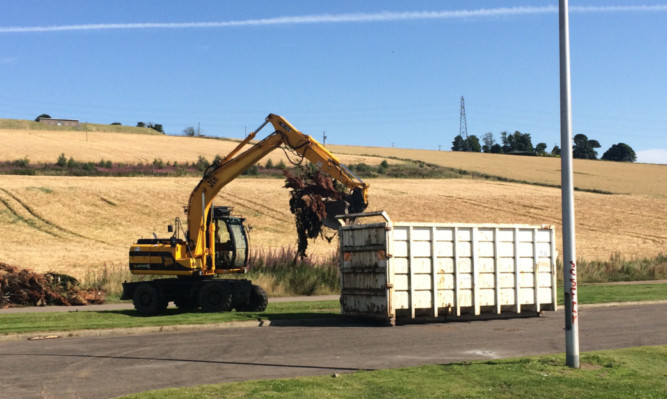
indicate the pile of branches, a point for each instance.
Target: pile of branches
{"x":23,"y":287}
{"x":309,"y":191}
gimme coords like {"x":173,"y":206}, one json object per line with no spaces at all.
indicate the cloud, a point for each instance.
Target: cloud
{"x":652,"y":156}
{"x":340,"y":18}
{"x":7,"y":60}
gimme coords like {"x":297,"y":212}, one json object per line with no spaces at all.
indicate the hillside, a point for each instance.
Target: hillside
{"x":92,"y":146}
{"x":72,"y":224}
{"x":21,"y":124}
{"x":47,"y":145}
{"x":614,"y":177}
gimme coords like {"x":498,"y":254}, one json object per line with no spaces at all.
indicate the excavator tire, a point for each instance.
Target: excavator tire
{"x":215,"y":298}
{"x":257,"y":302}
{"x":147,"y":300}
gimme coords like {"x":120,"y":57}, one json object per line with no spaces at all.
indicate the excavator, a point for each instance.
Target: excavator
{"x":216,"y":241}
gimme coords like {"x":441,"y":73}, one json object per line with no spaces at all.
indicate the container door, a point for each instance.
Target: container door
{"x":365,"y":289}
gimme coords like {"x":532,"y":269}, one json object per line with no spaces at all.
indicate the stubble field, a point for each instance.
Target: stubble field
{"x":75,"y":224}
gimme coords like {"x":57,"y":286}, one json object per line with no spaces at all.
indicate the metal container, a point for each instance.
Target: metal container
{"x":432,"y":271}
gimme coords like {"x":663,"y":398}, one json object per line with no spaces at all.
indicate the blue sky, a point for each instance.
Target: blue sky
{"x":371,"y":73}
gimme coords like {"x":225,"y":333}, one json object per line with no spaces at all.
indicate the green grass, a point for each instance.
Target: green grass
{"x":85,"y":320}
{"x":588,"y":294}
{"x":92,"y":320}
{"x":624,"y":373}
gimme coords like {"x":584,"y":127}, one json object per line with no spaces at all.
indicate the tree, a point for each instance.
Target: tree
{"x":473,"y":144}
{"x":541,"y":148}
{"x":555,"y":150}
{"x":488,"y":141}
{"x":62,"y":160}
{"x":458,"y":144}
{"x":517,"y":142}
{"x":496,"y":149}
{"x":141,"y":124}
{"x":116,"y":124}
{"x":189,"y":131}
{"x":46,"y":116}
{"x":156,"y":127}
{"x":620,"y":152}
{"x":584,"y":148}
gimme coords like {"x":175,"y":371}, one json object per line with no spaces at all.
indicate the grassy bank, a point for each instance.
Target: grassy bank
{"x":91,"y":320}
{"x":624,"y":373}
{"x":67,"y":321}
{"x":22,"y":124}
{"x":593,"y":294}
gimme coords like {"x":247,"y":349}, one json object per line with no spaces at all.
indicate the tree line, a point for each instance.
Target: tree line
{"x":518,"y":143}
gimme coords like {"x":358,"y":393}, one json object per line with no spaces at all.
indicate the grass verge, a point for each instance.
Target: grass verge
{"x":622,"y":373}
{"x":92,"y":320}
{"x":589,"y":294}
{"x":89,"y":320}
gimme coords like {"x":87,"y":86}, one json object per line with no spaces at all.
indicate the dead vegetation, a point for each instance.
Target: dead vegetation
{"x":24,"y":287}
{"x":309,"y":191}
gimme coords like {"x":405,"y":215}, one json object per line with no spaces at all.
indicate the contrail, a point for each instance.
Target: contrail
{"x":341,"y":18}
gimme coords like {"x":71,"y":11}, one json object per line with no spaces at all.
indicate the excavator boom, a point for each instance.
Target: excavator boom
{"x":222,"y":173}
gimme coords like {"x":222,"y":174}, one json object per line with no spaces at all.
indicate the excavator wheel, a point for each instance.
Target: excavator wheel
{"x":215,"y":298}
{"x":258,"y":301}
{"x":147,"y":300}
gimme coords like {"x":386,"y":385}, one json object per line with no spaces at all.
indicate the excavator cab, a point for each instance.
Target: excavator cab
{"x":231,"y":240}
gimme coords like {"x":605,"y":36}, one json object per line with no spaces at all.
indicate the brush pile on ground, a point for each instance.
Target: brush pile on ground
{"x":23,"y":287}
{"x":309,"y":191}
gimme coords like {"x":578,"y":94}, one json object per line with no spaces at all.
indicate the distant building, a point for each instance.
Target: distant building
{"x":59,"y":122}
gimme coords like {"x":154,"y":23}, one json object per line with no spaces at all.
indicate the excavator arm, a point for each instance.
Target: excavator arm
{"x":220,"y":173}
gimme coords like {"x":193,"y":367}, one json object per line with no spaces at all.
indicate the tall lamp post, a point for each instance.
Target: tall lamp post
{"x":567,"y":196}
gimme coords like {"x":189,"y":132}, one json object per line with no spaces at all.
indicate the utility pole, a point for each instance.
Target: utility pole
{"x":463,"y":125}
{"x":324,"y":138}
{"x":198,"y":129}
{"x":567,"y":196}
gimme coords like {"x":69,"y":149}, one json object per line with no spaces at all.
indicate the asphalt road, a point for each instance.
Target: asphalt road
{"x":105,"y":367}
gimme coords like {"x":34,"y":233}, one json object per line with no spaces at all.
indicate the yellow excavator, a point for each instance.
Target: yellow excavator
{"x":216,"y":241}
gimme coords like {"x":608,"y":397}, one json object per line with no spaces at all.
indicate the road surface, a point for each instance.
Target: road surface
{"x":105,"y":367}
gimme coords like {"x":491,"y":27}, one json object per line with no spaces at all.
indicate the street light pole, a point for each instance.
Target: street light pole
{"x":567,"y":196}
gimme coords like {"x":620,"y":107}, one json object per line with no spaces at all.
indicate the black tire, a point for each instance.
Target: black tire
{"x":186,"y":303}
{"x":147,"y":300}
{"x":258,"y":301}
{"x":215,"y":298}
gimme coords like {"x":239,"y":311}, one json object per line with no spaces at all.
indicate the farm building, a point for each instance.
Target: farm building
{"x":59,"y":122}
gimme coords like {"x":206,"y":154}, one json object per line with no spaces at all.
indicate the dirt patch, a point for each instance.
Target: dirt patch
{"x":23,"y":287}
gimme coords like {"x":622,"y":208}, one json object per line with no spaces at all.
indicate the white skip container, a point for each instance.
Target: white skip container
{"x":402,"y":272}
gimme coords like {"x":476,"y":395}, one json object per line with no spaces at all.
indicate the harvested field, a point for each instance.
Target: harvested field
{"x":41,"y":146}
{"x":74,"y":224}
{"x":615,"y":177}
